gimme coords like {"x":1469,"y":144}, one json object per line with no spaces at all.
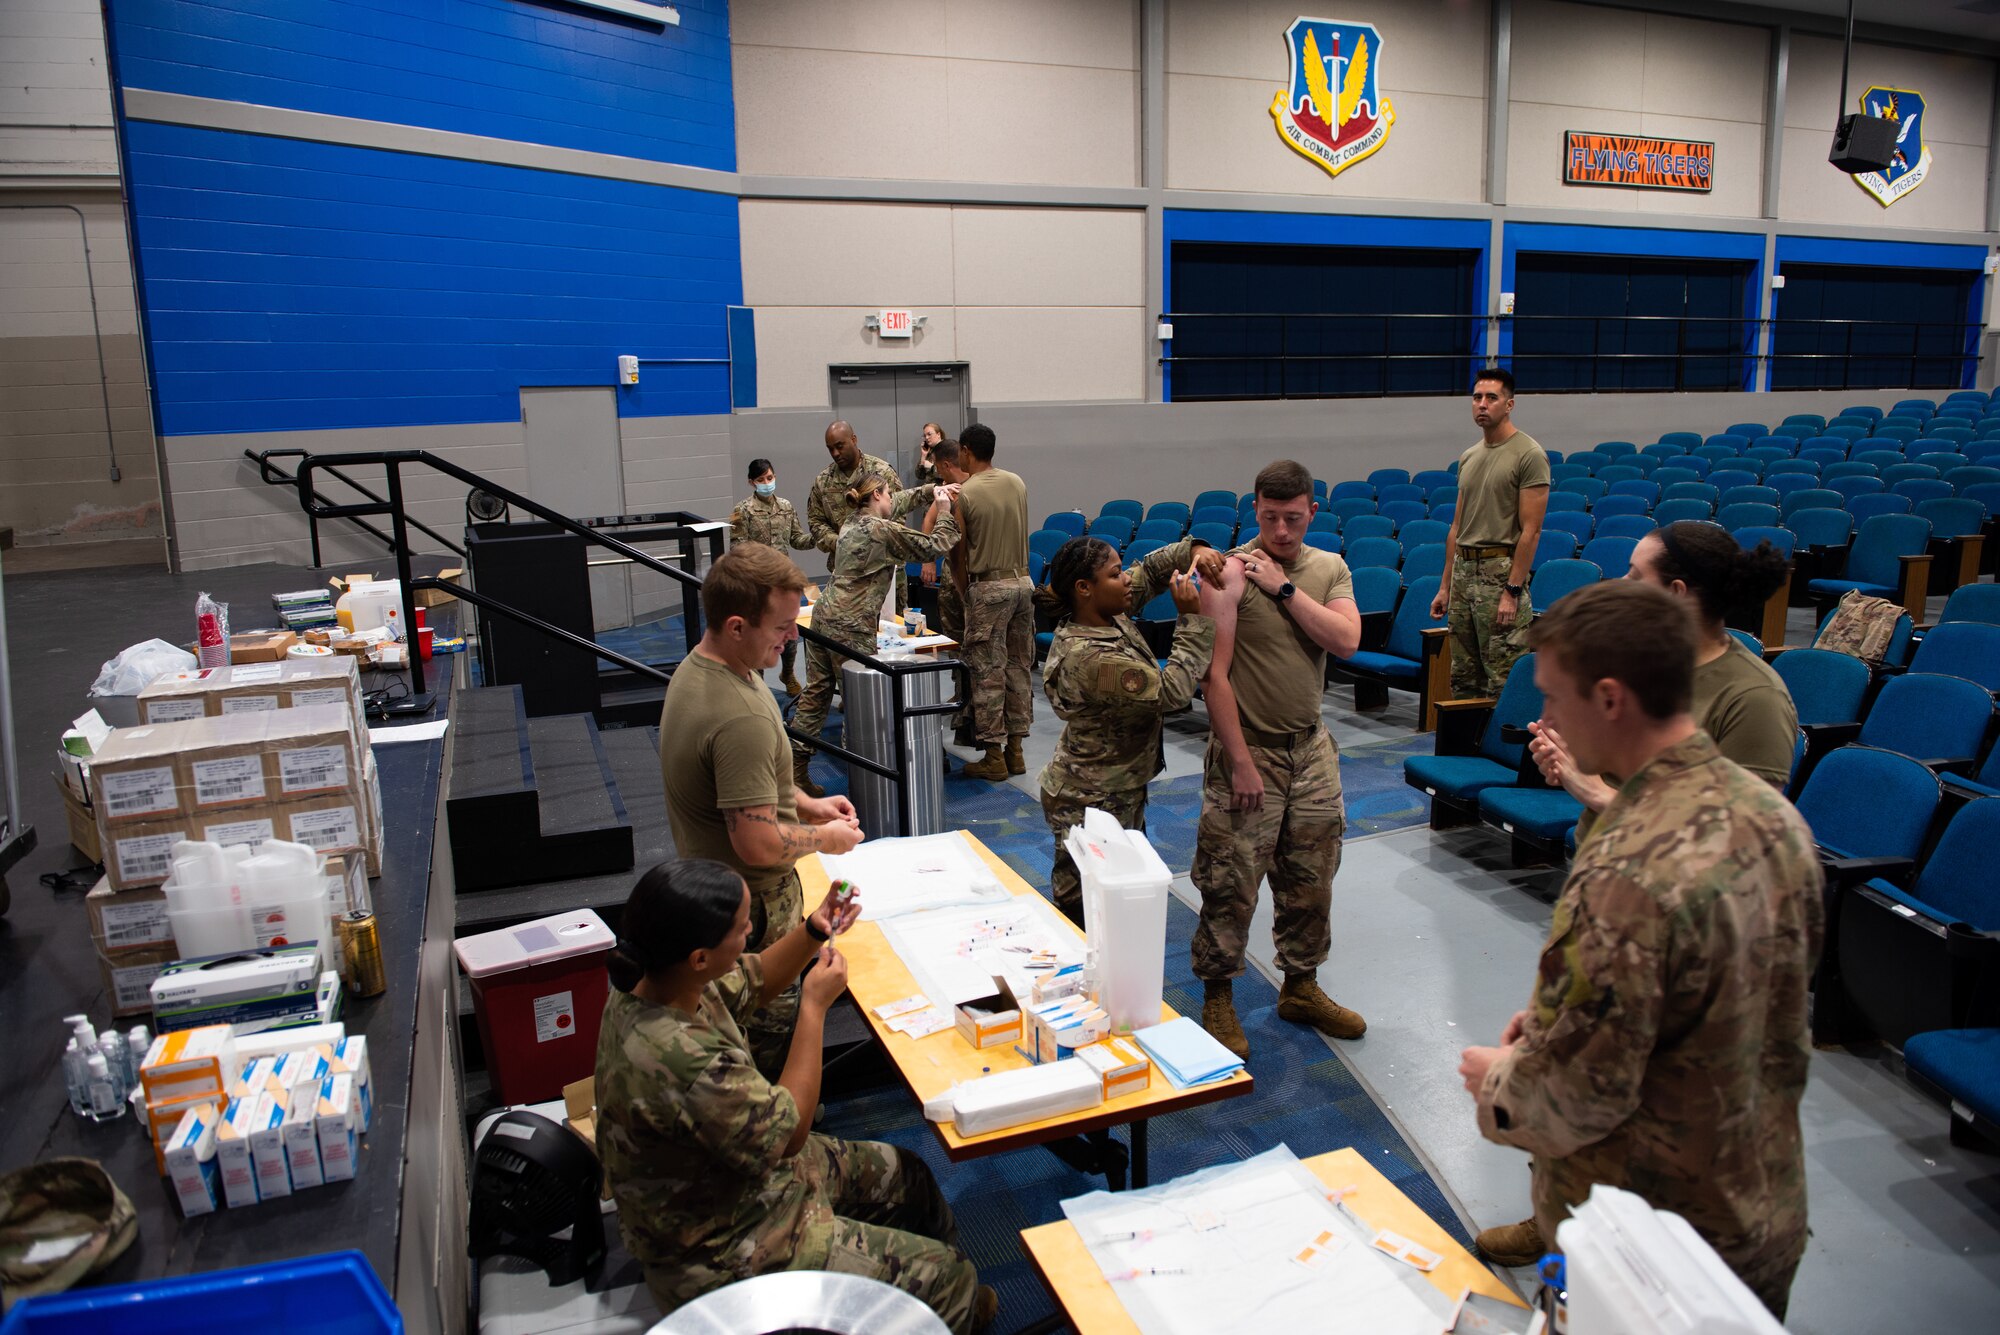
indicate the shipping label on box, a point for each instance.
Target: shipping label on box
{"x":225,"y":781}
{"x":303,"y":770}
{"x":327,"y":824}
{"x":126,"y":919}
{"x":129,"y":976}
{"x":135,"y":792}
{"x":143,"y":855}
{"x":246,"y":830}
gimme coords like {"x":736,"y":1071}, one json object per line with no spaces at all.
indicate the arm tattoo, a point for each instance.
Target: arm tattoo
{"x":794,"y":841}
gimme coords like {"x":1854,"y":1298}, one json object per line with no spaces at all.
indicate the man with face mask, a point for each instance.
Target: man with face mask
{"x":766,"y":517}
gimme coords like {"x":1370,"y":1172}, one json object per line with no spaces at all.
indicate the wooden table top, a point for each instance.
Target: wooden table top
{"x":1087,"y":1299}
{"x":876,"y":975}
{"x":805,"y":618}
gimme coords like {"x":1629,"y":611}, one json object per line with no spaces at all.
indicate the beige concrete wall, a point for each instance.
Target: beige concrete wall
{"x":1584,"y":67}
{"x":223,"y":515}
{"x":675,"y":463}
{"x":1226,"y":61}
{"x":1046,"y":304}
{"x":55,"y":97}
{"x":1958,"y":99}
{"x":1042,"y":91}
{"x":55,"y":454}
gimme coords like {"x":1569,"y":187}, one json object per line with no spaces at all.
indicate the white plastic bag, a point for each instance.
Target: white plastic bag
{"x":139,"y":667}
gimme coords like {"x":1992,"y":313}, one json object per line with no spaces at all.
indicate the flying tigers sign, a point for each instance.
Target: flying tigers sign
{"x":1332,"y":111}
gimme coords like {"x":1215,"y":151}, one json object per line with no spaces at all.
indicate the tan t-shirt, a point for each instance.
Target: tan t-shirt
{"x":722,"y":747}
{"x":1741,"y":703}
{"x":1277,"y":672}
{"x":993,"y":511}
{"x":1490,"y":481}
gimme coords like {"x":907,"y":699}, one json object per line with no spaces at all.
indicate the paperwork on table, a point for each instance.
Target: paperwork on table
{"x":1257,"y":1245}
{"x":955,"y":954}
{"x":931,"y":871}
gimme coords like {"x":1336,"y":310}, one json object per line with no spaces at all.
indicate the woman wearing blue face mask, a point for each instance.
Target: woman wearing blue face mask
{"x":766,"y":517}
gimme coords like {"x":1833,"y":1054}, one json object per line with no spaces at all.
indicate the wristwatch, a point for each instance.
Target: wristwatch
{"x":1515,"y":590}
{"x":1286,"y":590}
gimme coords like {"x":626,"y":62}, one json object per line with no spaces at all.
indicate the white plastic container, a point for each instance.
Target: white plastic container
{"x":225,"y":899}
{"x":1634,"y":1270}
{"x":1125,"y":915}
{"x":372,"y":605}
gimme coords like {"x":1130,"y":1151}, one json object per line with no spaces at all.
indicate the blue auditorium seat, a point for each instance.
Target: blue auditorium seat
{"x":1961,"y":1065}
{"x":1865,"y":508}
{"x":1938,"y":720}
{"x":1747,"y":514}
{"x":1632,"y":526}
{"x":1323,"y":540}
{"x":1749,"y":537}
{"x":1346,"y":507}
{"x":1071,"y":522}
{"x":1046,"y":542}
{"x":1385,"y":477}
{"x":1162,"y":531}
{"x":1367,"y":526}
{"x":1401,"y":491}
{"x":1384,"y":552}
{"x":1558,"y":579}
{"x":1621,"y":505}
{"x":1810,"y":498}
{"x":1673,"y":512}
{"x":1973,"y":602}
{"x":1178,"y":513}
{"x":1553,"y":545}
{"x":1425,"y":559}
{"x":1223,"y":499}
{"x":1420,"y":532}
{"x":1874,"y":559}
{"x":1124,"y":509}
{"x":1612,"y":555}
{"x":1474,"y":751}
{"x":1400,"y":663}
{"x":1749,"y":493}
{"x":1114,"y":529}
{"x":1577,"y":523}
{"x":1219,"y":536}
{"x":1968,"y":649}
{"x":1214,"y":514}
{"x":1400,"y":513}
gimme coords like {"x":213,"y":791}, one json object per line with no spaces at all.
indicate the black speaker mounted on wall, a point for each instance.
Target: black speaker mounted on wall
{"x":1863,"y":144}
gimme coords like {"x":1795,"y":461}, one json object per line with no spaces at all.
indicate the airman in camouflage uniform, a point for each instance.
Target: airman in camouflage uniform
{"x":827,"y":506}
{"x":693,"y":1141}
{"x":772,"y":521}
{"x":1665,"y":1045}
{"x":1482,"y":651}
{"x":870,"y":551}
{"x":1111,"y":693}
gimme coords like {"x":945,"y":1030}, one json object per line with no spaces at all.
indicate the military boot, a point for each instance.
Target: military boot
{"x":790,"y":683}
{"x":985,"y":1306}
{"x":1512,"y":1245}
{"x":991,"y":767}
{"x":804,"y":780}
{"x":1015,"y":763}
{"x":1302,"y":1002}
{"x":1218,"y":1016}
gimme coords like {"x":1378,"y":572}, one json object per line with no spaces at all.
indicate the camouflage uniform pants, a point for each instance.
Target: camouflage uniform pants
{"x":1482,"y":654}
{"x":1064,"y":812}
{"x":787,"y":658}
{"x":772,"y":914}
{"x":1000,"y":655}
{"x":1294,"y":839}
{"x":883,"y":1217}
{"x":822,"y":675}
{"x":951,"y":622}
{"x":891,"y":1223}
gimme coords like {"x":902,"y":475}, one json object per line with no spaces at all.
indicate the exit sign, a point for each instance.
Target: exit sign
{"x":896,"y":324}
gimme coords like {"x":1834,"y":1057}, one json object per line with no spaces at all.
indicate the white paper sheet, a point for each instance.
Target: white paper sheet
{"x":898,"y":876}
{"x":1226,"y":1237}
{"x":955,"y":953}
{"x":409,"y":732}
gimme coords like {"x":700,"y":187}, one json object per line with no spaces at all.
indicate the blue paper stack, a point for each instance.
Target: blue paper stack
{"x":1186,"y":1054}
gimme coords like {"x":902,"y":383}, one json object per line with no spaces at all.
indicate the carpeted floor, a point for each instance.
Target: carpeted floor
{"x":1304,"y":1097}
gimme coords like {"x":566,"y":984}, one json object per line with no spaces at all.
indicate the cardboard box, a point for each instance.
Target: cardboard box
{"x":260,"y":646}
{"x":82,"y":821}
{"x":307,"y":1066}
{"x":191,"y":1163}
{"x":1056,"y":1029}
{"x":293,"y":683}
{"x":338,"y":1124}
{"x":266,"y":1128}
{"x":350,"y":1058}
{"x":301,"y":1132}
{"x":142,"y":855}
{"x":989,"y":1021}
{"x":580,"y":1116}
{"x":164,"y":1118}
{"x":133,"y":777}
{"x":258,"y":1078}
{"x":1120,"y":1063}
{"x":128,"y":977}
{"x":439,"y":597}
{"x":122,"y":920}
{"x":197,"y":1061}
{"x":234,"y":1166}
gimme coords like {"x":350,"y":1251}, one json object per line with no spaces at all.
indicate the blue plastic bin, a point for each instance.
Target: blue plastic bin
{"x":335,"y":1294}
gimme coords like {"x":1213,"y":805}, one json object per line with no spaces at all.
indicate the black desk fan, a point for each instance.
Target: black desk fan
{"x":531,"y":1179}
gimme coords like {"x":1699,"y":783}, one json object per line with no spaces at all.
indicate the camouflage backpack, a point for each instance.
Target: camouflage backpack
{"x":1861,"y":627}
{"x":60,"y":1220}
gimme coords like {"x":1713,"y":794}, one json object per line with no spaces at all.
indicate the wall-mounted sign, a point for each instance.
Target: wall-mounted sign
{"x":1640,"y":164}
{"x":1912,"y":160}
{"x":895,"y":324}
{"x":1332,"y":110}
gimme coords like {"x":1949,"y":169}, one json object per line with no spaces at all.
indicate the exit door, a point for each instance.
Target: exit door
{"x":888,"y":405}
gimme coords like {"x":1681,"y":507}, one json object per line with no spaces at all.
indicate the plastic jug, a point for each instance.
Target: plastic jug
{"x":370,"y":604}
{"x":1125,"y":916}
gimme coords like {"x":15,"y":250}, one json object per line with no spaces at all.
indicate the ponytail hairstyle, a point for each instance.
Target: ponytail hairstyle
{"x":677,"y":908}
{"x":1076,"y":560}
{"x":858,"y":494}
{"x":1722,"y":576}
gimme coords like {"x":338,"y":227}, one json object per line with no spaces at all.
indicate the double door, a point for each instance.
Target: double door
{"x":888,"y":406}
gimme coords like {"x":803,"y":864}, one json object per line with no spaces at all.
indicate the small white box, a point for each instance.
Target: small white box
{"x":302,"y":1140}
{"x":232,"y":1155}
{"x":190,"y":1061}
{"x":267,"y":1147}
{"x":339,"y":1126}
{"x":350,"y":1057}
{"x":191,"y":1161}
{"x":304,"y":1068}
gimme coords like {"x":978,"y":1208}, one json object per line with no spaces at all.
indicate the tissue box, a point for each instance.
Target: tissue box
{"x":190,"y":1155}
{"x":1010,"y":1098}
{"x":1120,"y":1064}
{"x":232,"y":1155}
{"x":989,"y":1021}
{"x":301,"y":1132}
{"x":266,"y":1128}
{"x":338,"y":1125}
